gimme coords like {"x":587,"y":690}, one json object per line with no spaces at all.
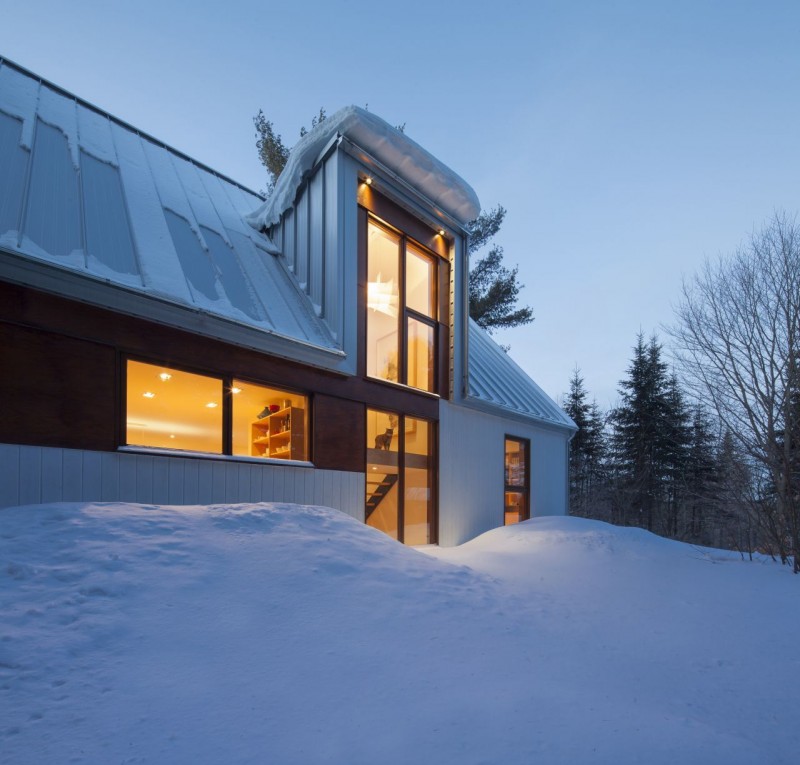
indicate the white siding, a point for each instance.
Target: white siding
{"x":34,"y":474}
{"x":471,"y":480}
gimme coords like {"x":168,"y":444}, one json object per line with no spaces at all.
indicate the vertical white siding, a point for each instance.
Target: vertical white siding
{"x":317,"y":237}
{"x":471,"y":479}
{"x":33,"y":474}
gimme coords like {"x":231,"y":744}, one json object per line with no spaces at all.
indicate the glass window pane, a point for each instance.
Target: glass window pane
{"x":515,"y":510}
{"x":420,"y":282}
{"x":420,"y":355}
{"x":167,"y":408}
{"x":418,"y":482}
{"x":383,"y":303}
{"x":383,"y":438}
{"x":517,"y":498}
{"x":515,"y":463}
{"x":269,"y":422}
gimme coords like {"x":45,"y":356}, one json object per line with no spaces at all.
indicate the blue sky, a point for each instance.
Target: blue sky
{"x":628,"y":140}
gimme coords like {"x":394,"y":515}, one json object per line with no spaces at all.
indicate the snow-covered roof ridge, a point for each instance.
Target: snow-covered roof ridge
{"x":402,"y":155}
{"x":496,"y":380}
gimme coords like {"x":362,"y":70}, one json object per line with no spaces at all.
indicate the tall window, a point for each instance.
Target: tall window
{"x":517,"y":480}
{"x":401,"y":309}
{"x":171,"y":409}
{"x":400,"y":489}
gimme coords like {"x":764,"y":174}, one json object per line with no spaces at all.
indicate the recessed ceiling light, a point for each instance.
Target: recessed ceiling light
{"x":368,"y":180}
{"x":165,"y":376}
{"x":236,"y":390}
{"x":172,"y":435}
{"x":211,"y":404}
{"x":149,"y":394}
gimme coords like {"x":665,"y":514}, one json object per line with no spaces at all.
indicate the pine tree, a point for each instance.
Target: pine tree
{"x":493,"y":288}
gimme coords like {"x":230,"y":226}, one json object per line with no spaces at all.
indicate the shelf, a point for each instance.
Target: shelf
{"x":280,"y":434}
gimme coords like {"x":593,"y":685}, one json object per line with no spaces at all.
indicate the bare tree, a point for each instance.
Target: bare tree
{"x":737,"y":342}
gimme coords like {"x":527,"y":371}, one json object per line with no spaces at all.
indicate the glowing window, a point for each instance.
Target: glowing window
{"x":401,"y":309}
{"x":171,"y":409}
{"x":517,"y":480}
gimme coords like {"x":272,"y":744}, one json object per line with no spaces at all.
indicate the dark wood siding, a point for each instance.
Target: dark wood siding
{"x":61,"y":379}
{"x":56,"y":390}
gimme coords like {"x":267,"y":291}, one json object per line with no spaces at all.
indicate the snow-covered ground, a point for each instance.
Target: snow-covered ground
{"x":287,"y":634}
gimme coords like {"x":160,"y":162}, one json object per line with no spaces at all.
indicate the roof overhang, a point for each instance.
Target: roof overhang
{"x":89,"y":289}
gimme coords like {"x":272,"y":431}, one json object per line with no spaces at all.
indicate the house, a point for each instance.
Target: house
{"x":169,"y":336}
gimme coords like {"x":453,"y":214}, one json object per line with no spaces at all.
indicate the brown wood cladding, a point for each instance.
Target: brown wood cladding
{"x":338,"y":433}
{"x":59,"y":358}
{"x":57,"y":391}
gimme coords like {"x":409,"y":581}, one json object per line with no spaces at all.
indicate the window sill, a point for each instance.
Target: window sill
{"x":151,"y":450}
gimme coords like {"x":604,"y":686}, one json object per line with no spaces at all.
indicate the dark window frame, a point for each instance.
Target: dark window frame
{"x":525,"y":487}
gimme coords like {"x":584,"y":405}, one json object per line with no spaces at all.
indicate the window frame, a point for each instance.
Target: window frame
{"x":227,"y":380}
{"x":407,"y":313}
{"x":524,"y":488}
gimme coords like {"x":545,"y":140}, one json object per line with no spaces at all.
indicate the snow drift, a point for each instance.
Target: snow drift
{"x":288,"y":634}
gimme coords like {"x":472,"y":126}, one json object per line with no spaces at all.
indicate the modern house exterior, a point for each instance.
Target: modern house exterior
{"x":169,"y":336}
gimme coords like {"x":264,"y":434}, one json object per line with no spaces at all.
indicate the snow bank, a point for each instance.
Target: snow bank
{"x":288,"y":634}
{"x":389,"y":146}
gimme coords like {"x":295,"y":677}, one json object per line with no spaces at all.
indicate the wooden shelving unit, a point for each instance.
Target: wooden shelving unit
{"x":280,"y":435}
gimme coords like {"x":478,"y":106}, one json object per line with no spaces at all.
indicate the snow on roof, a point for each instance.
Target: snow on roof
{"x":496,"y":380}
{"x":83,"y":191}
{"x":389,"y":146}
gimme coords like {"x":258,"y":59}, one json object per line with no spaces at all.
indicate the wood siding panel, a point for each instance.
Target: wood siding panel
{"x":62,"y":389}
{"x":338,"y":434}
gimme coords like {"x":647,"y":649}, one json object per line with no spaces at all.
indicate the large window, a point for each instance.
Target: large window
{"x":172,"y":409}
{"x":400,"y":461}
{"x":401,"y":309}
{"x":517,"y":480}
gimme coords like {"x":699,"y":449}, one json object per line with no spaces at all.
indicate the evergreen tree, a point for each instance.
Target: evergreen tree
{"x":648,"y":440}
{"x":586,"y":449}
{"x":702,"y":480}
{"x":493,"y":288}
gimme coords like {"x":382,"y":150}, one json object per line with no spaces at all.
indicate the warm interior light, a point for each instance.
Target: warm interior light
{"x":441,"y":232}
{"x":368,"y":180}
{"x":165,"y":376}
{"x":236,"y":390}
{"x":211,"y":404}
{"x":149,"y":394}
{"x":382,"y":296}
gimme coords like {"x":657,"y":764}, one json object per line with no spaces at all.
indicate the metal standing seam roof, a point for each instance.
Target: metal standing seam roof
{"x":83,"y":191}
{"x":496,"y":380}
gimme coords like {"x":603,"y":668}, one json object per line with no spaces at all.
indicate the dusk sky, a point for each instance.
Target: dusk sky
{"x":627,"y":140}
